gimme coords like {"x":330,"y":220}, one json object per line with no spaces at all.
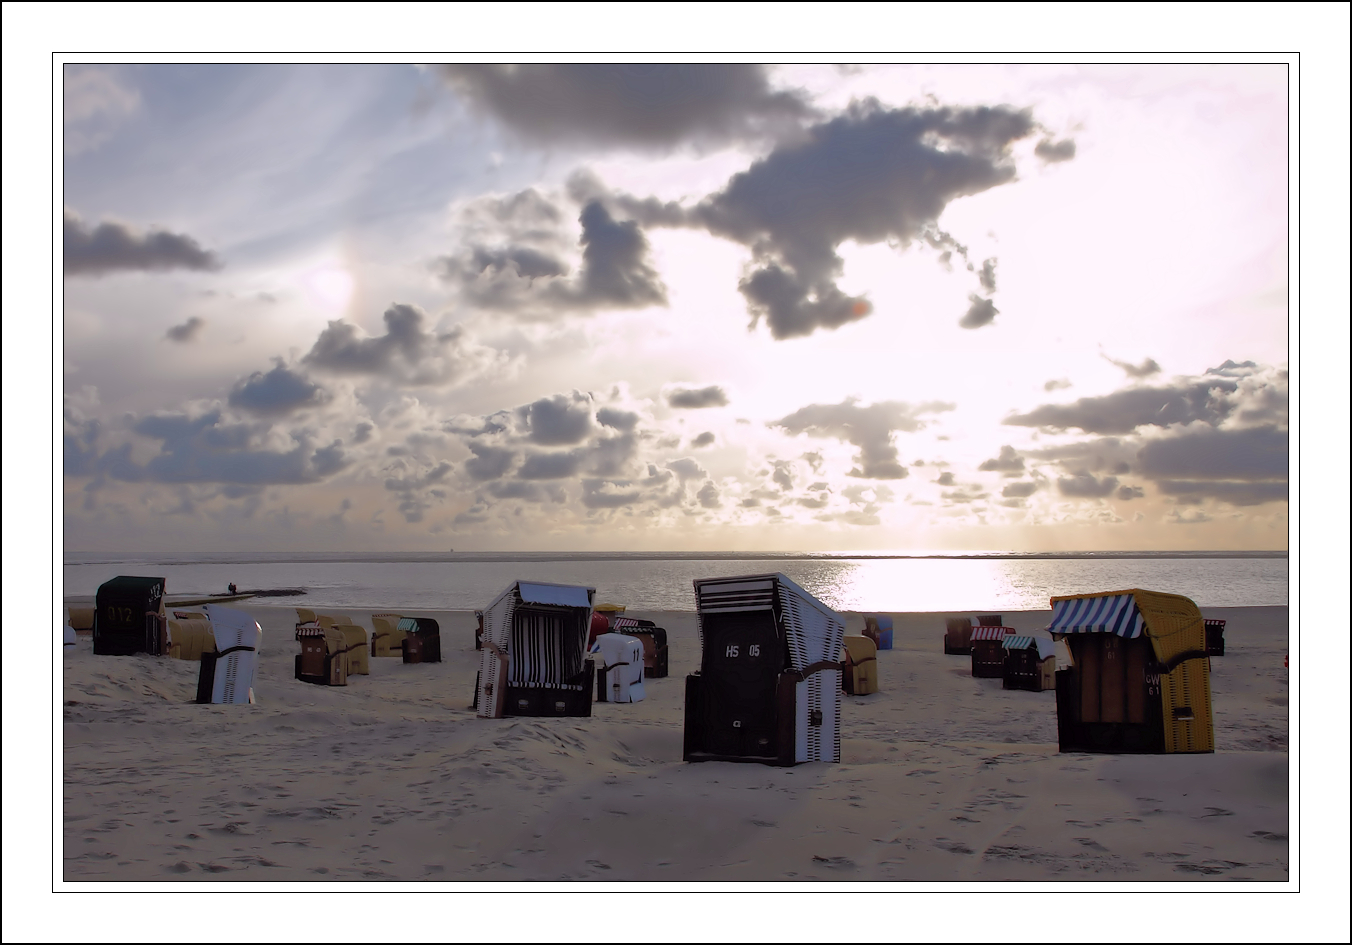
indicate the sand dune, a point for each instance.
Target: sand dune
{"x":944,"y":778}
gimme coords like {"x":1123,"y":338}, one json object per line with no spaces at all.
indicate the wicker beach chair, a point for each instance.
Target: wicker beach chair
{"x":323,"y":655}
{"x":768,"y":687}
{"x":878,"y":628}
{"x":859,"y":676}
{"x":386,"y":637}
{"x":190,"y":635}
{"x":533,"y":661}
{"x":129,"y":616}
{"x":1030,"y":662}
{"x":988,"y":651}
{"x":619,"y":678}
{"x":422,"y":640}
{"x":226,"y":674}
{"x":654,"y":640}
{"x":1139,"y":678}
{"x":958,"y":636}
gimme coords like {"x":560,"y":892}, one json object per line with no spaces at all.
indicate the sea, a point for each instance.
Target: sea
{"x":896,"y":583}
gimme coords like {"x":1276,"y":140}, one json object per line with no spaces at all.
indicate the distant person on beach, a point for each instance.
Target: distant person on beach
{"x":232,"y":589}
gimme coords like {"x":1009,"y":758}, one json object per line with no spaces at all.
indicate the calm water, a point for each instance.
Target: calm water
{"x":663,"y":582}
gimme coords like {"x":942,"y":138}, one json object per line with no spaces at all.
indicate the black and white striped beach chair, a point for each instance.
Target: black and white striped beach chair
{"x":534,"y":653}
{"x":768,"y":687}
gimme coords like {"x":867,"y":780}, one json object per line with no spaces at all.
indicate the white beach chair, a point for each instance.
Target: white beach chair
{"x":226,"y":675}
{"x":619,"y":678}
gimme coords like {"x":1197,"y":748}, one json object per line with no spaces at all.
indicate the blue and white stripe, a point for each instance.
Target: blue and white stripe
{"x":1113,"y":613}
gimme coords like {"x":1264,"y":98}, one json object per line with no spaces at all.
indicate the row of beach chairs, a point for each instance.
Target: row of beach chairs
{"x":332,"y":649}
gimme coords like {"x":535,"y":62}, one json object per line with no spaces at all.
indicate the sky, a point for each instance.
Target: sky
{"x":666,"y":307}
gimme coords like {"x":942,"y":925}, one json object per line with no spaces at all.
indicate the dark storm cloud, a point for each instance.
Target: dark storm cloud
{"x":617,"y":104}
{"x":981,"y":312}
{"x":1019,"y":490}
{"x":405,"y":353}
{"x":870,"y":428}
{"x":1008,"y":462}
{"x":115,"y":247}
{"x":1235,"y":493}
{"x":186,"y":332}
{"x":1253,"y":454}
{"x":694,"y":399}
{"x":1124,"y":410}
{"x":516,"y":277}
{"x":704,"y":439}
{"x":1144,"y":369}
{"x":1085,"y":486}
{"x":987,"y":275}
{"x":622,"y":420}
{"x":277,"y":392}
{"x":558,"y":420}
{"x":871,"y":175}
{"x":1052,"y":152}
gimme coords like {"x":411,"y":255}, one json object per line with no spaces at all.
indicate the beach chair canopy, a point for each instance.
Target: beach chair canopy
{"x":1171,"y":622}
{"x":1045,"y":647}
{"x":990,"y":633}
{"x":1111,"y":613}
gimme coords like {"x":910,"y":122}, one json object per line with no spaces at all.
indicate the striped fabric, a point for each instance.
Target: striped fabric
{"x":546,"y":648}
{"x":735,"y":595}
{"x":1044,"y":647}
{"x":1111,"y":613}
{"x":990,"y":633}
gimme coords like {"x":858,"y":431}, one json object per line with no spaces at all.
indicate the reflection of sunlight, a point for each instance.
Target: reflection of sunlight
{"x":919,"y":585}
{"x":329,"y":287}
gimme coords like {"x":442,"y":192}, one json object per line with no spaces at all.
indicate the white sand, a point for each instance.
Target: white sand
{"x":943,"y":778}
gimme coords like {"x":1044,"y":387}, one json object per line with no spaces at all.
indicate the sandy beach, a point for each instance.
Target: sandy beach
{"x":944,"y":778}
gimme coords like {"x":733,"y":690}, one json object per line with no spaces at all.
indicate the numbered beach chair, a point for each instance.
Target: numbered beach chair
{"x":619,"y":678}
{"x":1030,"y":662}
{"x":386,"y":637}
{"x":878,"y":628}
{"x":323,"y":655}
{"x":422,"y":640}
{"x":226,"y":675}
{"x":1139,"y":679}
{"x":129,"y":616}
{"x":988,"y":651}
{"x":190,"y":635}
{"x":654,"y":640}
{"x":535,"y":641}
{"x":859,"y":657}
{"x":768,"y":686}
{"x":1215,"y":636}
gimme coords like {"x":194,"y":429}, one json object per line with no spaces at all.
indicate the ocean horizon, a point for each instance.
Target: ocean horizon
{"x":662,"y":580}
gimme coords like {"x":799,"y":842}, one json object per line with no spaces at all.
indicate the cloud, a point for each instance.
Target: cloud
{"x":980,"y":312}
{"x":526,"y":275}
{"x":95,"y":103}
{"x":1086,"y":486}
{"x":870,"y":175}
{"x":186,"y":332}
{"x":1057,"y":384}
{"x":277,"y":392}
{"x":412,"y":491}
{"x":945,"y":479}
{"x":551,"y":465}
{"x":561,"y":419}
{"x":604,"y":494}
{"x":206,"y":449}
{"x":987,"y":275}
{"x":406,"y":353}
{"x":1248,"y":454}
{"x":691,"y":399}
{"x":115,"y":247}
{"x":644,"y":105}
{"x":1124,"y":410}
{"x":488,"y":462}
{"x":871,"y":428}
{"x":1052,"y":152}
{"x":708,"y":495}
{"x":783,"y":474}
{"x":622,"y":420}
{"x":1008,"y":462}
{"x":1019,"y":490}
{"x":1235,"y":493}
{"x":704,"y":439}
{"x":686,"y":469}
{"x":1144,"y":369}
{"x":1127,"y":493}
{"x":363,"y":432}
